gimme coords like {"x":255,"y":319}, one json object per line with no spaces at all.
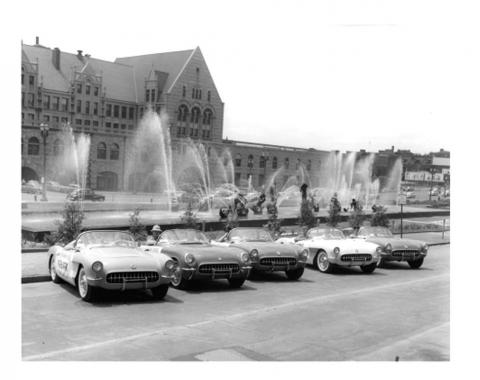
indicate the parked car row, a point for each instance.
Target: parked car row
{"x":112,"y":260}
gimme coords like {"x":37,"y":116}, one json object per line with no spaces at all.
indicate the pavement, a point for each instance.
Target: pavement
{"x":35,"y":264}
{"x":395,"y":313}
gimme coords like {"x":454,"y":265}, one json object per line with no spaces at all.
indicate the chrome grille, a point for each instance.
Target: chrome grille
{"x":406,"y":253}
{"x":278,"y":261}
{"x":119,"y":277}
{"x":219,"y":268}
{"x":356,"y":257}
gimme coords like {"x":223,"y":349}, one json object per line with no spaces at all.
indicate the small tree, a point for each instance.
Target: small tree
{"x":137,"y":229}
{"x":357,"y":217}
{"x":379,"y":217}
{"x":189,"y":218}
{"x":70,"y":226}
{"x":273,"y":223}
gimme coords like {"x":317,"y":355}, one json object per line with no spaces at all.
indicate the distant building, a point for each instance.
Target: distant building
{"x":106,"y":100}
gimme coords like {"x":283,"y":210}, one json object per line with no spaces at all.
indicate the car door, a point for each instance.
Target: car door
{"x":63,"y":261}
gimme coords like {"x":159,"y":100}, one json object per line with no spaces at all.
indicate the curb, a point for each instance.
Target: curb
{"x":32,"y":279}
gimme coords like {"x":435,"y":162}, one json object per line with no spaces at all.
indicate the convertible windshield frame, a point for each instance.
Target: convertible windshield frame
{"x":105,"y":238}
{"x":326,"y":233}
{"x":377,"y":232}
{"x":251,"y":234}
{"x":185,"y":236}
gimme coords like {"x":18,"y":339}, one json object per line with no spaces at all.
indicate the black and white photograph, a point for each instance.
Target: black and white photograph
{"x":258,"y":181}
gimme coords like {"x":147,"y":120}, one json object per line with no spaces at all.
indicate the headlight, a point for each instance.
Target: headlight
{"x":253,"y":254}
{"x":170,"y":265}
{"x":97,"y":266}
{"x":336,"y":250}
{"x":388,"y":248}
{"x":189,"y":258}
{"x":303,"y":255}
{"x":425,"y":248}
{"x":245,"y":257}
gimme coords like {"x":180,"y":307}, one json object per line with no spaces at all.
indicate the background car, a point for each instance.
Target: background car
{"x":328,"y":247}
{"x":109,"y":260}
{"x":198,"y":259}
{"x":394,"y":248}
{"x":265,"y":254}
{"x":86,"y":195}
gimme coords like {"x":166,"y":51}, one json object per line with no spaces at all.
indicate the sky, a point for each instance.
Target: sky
{"x":330,"y":75}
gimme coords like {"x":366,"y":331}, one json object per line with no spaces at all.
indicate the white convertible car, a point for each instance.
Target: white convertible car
{"x":328,"y":247}
{"x":109,"y":260}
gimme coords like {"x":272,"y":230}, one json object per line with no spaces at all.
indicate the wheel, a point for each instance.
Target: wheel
{"x":178,"y":282}
{"x":86,"y":292}
{"x":294,"y":274}
{"x":368,"y":268}
{"x":53,"y":273}
{"x":236,"y":282}
{"x":322,"y":263}
{"x":160,"y":291}
{"x":415,"y":264}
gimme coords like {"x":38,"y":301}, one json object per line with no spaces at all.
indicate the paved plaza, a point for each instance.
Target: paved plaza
{"x":394,"y":313}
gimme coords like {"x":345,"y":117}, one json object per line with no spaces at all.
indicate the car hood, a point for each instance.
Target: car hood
{"x":206,"y":252}
{"x":345,"y":245}
{"x":397,"y":243}
{"x":269,"y":248}
{"x":121,"y":257}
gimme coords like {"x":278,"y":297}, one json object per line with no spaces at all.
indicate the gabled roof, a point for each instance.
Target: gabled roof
{"x":170,"y":62}
{"x":118,"y":79}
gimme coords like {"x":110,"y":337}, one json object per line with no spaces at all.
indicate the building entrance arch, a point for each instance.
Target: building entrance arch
{"x":29,"y":174}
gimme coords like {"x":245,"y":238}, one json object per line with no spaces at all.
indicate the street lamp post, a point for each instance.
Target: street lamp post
{"x":44,"y":132}
{"x":432,"y":172}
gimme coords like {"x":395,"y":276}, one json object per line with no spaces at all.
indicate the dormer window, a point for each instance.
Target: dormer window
{"x":147,"y":96}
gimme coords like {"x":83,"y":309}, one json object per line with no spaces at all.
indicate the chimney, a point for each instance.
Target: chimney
{"x":56,"y":58}
{"x":37,"y":40}
{"x":393,"y":148}
{"x":79,"y":55}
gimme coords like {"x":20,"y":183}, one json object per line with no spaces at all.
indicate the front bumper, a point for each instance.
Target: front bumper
{"x":354,"y":259}
{"x":193,"y":273}
{"x":127,"y":284}
{"x":403,"y":255}
{"x":282,"y":264}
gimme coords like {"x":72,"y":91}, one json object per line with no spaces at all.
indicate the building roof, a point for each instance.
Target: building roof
{"x":118,"y":79}
{"x":171,"y":63}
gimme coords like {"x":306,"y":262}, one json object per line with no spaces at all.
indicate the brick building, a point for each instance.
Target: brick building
{"x":106,"y":100}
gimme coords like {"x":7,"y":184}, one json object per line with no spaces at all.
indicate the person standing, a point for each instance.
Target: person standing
{"x":155,"y":237}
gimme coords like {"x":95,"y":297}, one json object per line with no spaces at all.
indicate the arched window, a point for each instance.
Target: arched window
{"x":195,"y":116}
{"x":184,"y":91}
{"x":207,"y":117}
{"x":274,"y":163}
{"x":238,"y":160}
{"x":102,"y":151}
{"x":250,"y":161}
{"x":262,"y":161}
{"x":57,"y":147}
{"x":287,"y":163}
{"x":297,"y":165}
{"x":309,"y":165}
{"x":33,"y":146}
{"x":182,"y":113}
{"x":114,"y":151}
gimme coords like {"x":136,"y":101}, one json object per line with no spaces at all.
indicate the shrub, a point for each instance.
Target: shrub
{"x":136,"y":228}
{"x":189,"y":218}
{"x":379,"y":217}
{"x":71,"y":225}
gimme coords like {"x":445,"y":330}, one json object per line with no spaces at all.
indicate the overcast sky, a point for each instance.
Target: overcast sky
{"x":330,"y":75}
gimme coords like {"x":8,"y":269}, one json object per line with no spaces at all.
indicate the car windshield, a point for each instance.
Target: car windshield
{"x":375,"y":232}
{"x":326,"y":233}
{"x":250,"y":235}
{"x":107,"y":238}
{"x":184,"y":237}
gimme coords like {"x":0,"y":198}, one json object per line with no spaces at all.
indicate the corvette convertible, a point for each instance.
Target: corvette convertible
{"x":328,"y":247}
{"x":110,"y":260}
{"x":265,"y":254}
{"x":198,"y":259}
{"x":394,"y":248}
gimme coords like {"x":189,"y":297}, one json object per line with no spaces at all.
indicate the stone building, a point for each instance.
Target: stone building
{"x":107,"y":100}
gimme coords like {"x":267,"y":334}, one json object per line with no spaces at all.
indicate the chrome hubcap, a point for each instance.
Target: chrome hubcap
{"x":177,"y":278}
{"x":322,"y":261}
{"x":82,"y":283}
